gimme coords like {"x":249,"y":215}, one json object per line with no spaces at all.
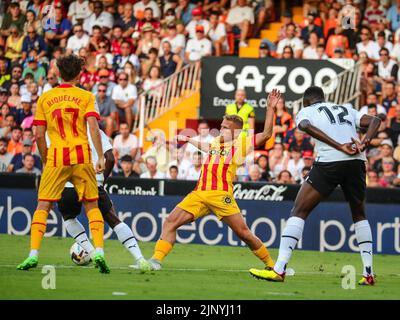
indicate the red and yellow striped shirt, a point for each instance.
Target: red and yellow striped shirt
{"x":64,"y":110}
{"x":219,"y":169}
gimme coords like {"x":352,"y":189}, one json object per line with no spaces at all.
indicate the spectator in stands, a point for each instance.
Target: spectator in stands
{"x":107,"y":108}
{"x":374,"y":13}
{"x":198,"y":47}
{"x":310,"y":52}
{"x":372,"y":99}
{"x":367,"y":45}
{"x":52,"y":81}
{"x":104,"y":78}
{"x":13,"y":17}
{"x":262,"y":162}
{"x":385,"y":151}
{"x":382,"y":42}
{"x":33,"y":41}
{"x":148,"y":19}
{"x":255,"y":173}
{"x":287,"y":19}
{"x":140,"y":7}
{"x":4,"y":74}
{"x":125,"y":95}
{"x":160,"y":151}
{"x":301,"y":141}
{"x":393,"y":16}
{"x":394,"y":125}
{"x":204,"y":135}
{"x":312,"y":27}
{"x":387,"y":68}
{"x":190,"y":29}
{"x":26,"y":110}
{"x":5,"y":131}
{"x":39,"y":72}
{"x":14,"y":100}
{"x":285,"y":177}
{"x":121,"y":59}
{"x":389,"y":95}
{"x":243,"y":109}
{"x":217,"y":34}
{"x":153,"y":84}
{"x":29,"y":165}
{"x":78,"y":11}
{"x":104,"y":51}
{"x":292,"y":41}
{"x":125,"y":143}
{"x":388,"y":174}
{"x":176,"y":40}
{"x":264,"y":11}
{"x":32,"y":20}
{"x":100,"y":18}
{"x":14,"y":44}
{"x":17,"y":160}
{"x":173,"y":172}
{"x":282,"y":121}
{"x":308,"y":158}
{"x":195,"y":170}
{"x":126,"y":164}
{"x":57,"y":35}
{"x":169,"y":61}
{"x":152,"y":171}
{"x":263,"y":51}
{"x":372,"y":179}
{"x":16,"y":77}
{"x":278,"y":159}
{"x":5,"y":157}
{"x":184,"y":11}
{"x":148,"y":41}
{"x":15,"y":145}
{"x":296,"y":163}
{"x":240,"y":19}
{"x":78,"y":40}
{"x":304,"y":173}
{"x":127,"y":21}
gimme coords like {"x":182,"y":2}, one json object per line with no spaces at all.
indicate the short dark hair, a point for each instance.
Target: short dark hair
{"x":10,"y":115}
{"x":16,"y":128}
{"x":384,"y":49}
{"x":295,"y":148}
{"x":235,"y":119}
{"x":28,"y":155}
{"x":372,"y":106}
{"x":174,"y":167}
{"x":70,"y":66}
{"x":313,"y":95}
{"x":126,"y":158}
{"x":2,"y":139}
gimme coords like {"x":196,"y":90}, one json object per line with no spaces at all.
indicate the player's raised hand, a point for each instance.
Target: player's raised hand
{"x":273,"y":98}
{"x":100,"y":165}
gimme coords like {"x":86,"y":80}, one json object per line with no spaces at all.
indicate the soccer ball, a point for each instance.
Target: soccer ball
{"x":79,"y":256}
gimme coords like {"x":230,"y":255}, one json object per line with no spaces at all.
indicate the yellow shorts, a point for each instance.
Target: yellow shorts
{"x":82,"y":176}
{"x":200,"y":203}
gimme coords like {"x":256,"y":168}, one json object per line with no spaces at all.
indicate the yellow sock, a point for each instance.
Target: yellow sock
{"x":96,"y":225}
{"x":263,"y":254}
{"x":38,"y":228}
{"x":161,"y":250}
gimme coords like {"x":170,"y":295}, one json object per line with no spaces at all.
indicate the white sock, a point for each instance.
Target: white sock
{"x":34,"y":253}
{"x":126,"y":237}
{"x":291,"y":234}
{"x":76,"y":230}
{"x":364,"y":239}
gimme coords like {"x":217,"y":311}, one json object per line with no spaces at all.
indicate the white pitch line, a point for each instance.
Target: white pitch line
{"x":193,"y":269}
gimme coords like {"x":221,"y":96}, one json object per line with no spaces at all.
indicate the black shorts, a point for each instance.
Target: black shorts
{"x":69,"y":205}
{"x":350,"y":175}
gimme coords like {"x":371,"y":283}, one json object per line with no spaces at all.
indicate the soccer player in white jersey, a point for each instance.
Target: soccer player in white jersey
{"x":70,"y":208}
{"x":340,"y":161}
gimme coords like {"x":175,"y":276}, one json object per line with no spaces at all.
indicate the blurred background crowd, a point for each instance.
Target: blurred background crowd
{"x":130,"y":46}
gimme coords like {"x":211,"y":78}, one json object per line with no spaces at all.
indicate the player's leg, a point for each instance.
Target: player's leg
{"x":178,"y":217}
{"x":354,"y":188}
{"x":70,"y":207}
{"x":50,"y":189}
{"x":124,"y":233}
{"x":238,"y":225}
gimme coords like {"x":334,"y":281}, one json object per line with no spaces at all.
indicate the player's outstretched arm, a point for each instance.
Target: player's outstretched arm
{"x":41,"y":142}
{"x":262,"y":137}
{"x":203,"y":146}
{"x":316,"y":133}
{"x":373,"y":124}
{"x":96,"y":139}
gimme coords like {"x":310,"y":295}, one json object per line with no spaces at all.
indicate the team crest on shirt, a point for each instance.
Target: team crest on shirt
{"x":227,"y":200}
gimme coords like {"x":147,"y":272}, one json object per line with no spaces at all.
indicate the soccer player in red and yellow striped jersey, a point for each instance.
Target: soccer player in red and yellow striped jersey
{"x":214,"y":190}
{"x":65,"y":112}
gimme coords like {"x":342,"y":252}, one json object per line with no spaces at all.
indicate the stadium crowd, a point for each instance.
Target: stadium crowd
{"x":130,"y":46}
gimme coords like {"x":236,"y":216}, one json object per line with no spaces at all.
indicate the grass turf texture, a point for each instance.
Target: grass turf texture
{"x":190,"y":272}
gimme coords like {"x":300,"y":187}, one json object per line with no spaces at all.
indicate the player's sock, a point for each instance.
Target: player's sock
{"x":126,"y":237}
{"x":291,"y":234}
{"x":364,"y":239}
{"x":76,"y":230}
{"x":263,"y":254}
{"x":38,"y":229}
{"x":96,"y":224}
{"x":161,"y":250}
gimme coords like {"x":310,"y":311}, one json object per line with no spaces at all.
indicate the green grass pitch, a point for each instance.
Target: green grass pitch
{"x":190,"y":272}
